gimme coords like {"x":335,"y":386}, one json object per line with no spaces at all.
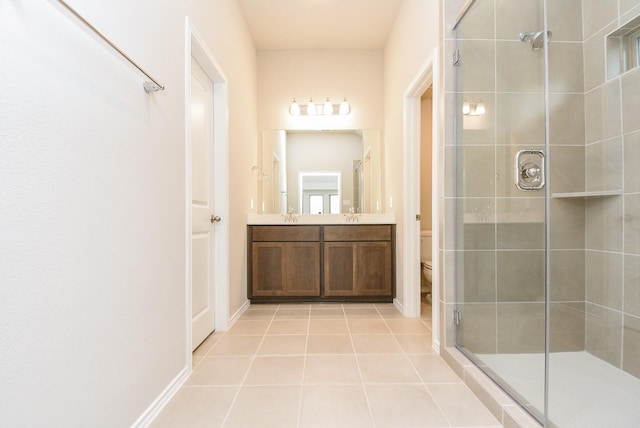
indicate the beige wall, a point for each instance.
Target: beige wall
{"x":412,"y":41}
{"x":318,"y":74}
{"x":93,"y":203}
{"x":426,"y":159}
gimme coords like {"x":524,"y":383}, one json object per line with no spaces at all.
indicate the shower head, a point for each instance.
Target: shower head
{"x":536,"y":38}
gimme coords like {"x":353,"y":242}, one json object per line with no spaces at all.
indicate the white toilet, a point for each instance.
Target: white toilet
{"x":425,"y":264}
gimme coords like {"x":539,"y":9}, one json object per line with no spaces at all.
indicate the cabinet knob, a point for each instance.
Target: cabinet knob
{"x":215,"y":218}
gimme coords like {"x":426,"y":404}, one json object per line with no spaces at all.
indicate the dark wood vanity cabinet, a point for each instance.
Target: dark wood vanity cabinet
{"x":321,"y":263}
{"x":285,"y":261}
{"x":358,"y":261}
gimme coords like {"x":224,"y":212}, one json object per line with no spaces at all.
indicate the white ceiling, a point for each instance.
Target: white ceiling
{"x":320,"y":24}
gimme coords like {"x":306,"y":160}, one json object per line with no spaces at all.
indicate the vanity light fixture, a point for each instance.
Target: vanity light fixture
{"x":325,"y":109}
{"x":294,"y":108}
{"x":473,"y":110}
{"x":344,"y":108}
{"x":466,"y":108}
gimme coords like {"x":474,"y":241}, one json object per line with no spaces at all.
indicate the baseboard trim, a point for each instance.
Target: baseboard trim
{"x":161,"y":401}
{"x":236,"y":316}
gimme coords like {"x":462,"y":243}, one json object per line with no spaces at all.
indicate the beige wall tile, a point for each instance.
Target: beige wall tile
{"x":594,"y":58}
{"x":604,"y":165}
{"x":567,"y":327}
{"x":604,"y":334}
{"x":477,"y":74}
{"x":521,"y":327}
{"x":631,"y":100}
{"x":632,"y":285}
{"x":520,"y":119}
{"x":567,"y":224}
{"x":597,"y":14}
{"x":565,"y":67}
{"x":523,"y":235}
{"x":566,"y":168}
{"x":604,"y":224}
{"x":476,"y":278}
{"x":627,"y":5}
{"x":631,"y":357}
{"x":477,"y":331}
{"x":478,"y":236}
{"x":631,"y":156}
{"x":604,"y":279}
{"x":519,"y":67}
{"x":567,"y":275}
{"x":480,"y":160}
{"x":566,"y":119}
{"x":602,"y":112}
{"x":478,"y":23}
{"x":565,"y":20}
{"x":513,"y":18}
{"x":520,"y":276}
{"x":632,"y":223}
{"x":476,"y":129}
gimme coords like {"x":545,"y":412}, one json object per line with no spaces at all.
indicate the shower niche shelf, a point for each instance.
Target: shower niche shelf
{"x":592,"y":194}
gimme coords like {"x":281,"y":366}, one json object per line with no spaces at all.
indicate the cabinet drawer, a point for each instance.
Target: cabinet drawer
{"x":286,"y":233}
{"x":358,"y":233}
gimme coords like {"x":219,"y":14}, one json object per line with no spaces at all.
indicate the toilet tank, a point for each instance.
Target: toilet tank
{"x":425,"y":245}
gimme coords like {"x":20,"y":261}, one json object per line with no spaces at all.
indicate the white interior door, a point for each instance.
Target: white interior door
{"x":202,"y":211}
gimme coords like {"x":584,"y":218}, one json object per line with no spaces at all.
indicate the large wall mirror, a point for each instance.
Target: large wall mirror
{"x":321,"y":172}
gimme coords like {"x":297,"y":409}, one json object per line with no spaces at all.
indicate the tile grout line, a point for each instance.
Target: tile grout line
{"x":253,"y":358}
{"x":304,"y":368}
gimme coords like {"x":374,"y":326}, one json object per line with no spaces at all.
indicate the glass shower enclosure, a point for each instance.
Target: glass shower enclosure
{"x":547,"y":200}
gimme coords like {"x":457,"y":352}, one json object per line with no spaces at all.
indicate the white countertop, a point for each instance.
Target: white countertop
{"x":257,"y":219}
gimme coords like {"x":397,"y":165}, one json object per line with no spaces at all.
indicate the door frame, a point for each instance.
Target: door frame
{"x":427,"y":76}
{"x":196,"y":48}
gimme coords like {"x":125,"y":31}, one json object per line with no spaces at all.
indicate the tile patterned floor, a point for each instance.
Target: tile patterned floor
{"x":323,"y":365}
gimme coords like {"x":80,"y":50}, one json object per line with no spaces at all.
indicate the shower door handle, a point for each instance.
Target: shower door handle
{"x":529,"y":170}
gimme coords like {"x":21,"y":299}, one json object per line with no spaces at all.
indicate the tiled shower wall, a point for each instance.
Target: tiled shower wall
{"x":595,"y":145}
{"x":612,"y":152}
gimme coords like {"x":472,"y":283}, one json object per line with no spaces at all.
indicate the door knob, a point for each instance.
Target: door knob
{"x":215,"y":219}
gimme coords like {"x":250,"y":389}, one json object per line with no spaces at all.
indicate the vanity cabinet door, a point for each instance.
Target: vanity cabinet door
{"x":358,"y":261}
{"x":286,"y":269}
{"x":340,"y":268}
{"x":374,"y":269}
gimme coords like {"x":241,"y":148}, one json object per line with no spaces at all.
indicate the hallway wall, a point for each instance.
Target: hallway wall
{"x":92,"y":261}
{"x":412,"y":41}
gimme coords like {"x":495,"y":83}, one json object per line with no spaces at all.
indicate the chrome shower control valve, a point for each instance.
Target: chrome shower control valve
{"x":529,"y":170}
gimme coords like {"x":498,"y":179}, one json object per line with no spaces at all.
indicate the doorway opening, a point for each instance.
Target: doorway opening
{"x":426,"y":78}
{"x":196,"y":51}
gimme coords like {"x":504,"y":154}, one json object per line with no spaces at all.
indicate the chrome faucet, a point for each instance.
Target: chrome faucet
{"x":352,"y":217}
{"x":290,"y":217}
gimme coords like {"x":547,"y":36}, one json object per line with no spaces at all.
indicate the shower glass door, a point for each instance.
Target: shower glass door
{"x":500,"y":194}
{"x":548,"y":205}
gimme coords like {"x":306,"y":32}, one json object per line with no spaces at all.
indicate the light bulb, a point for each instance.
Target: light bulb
{"x":311,"y":108}
{"x":327,"y":109}
{"x":294,"y":108}
{"x":466,"y":108}
{"x":345,"y":108}
{"x":480,"y":110}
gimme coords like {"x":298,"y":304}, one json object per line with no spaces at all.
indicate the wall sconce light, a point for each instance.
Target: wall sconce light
{"x":473,"y":110}
{"x":326,"y":109}
{"x":294,"y":108}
